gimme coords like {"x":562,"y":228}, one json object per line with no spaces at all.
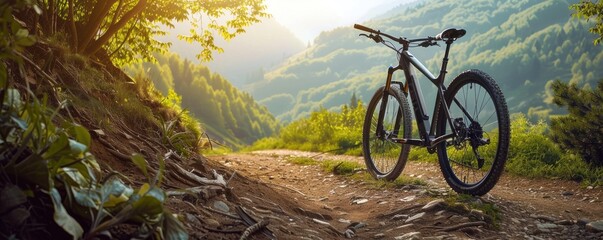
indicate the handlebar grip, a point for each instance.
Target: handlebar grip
{"x":363,"y":28}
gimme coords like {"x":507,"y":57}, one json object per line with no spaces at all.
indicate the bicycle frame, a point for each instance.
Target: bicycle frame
{"x":428,"y":138}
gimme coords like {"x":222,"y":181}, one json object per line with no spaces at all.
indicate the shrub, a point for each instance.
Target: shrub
{"x":580,"y":130}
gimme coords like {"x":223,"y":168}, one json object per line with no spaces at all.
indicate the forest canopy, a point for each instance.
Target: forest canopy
{"x":127,"y":29}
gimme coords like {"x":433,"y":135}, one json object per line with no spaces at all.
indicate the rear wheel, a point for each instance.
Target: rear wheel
{"x":384,"y":158}
{"x":473,"y":162}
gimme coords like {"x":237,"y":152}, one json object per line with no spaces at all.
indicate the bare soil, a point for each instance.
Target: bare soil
{"x":305,"y":202}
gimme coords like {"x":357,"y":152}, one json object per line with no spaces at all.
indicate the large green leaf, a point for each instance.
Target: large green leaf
{"x":77,"y":148}
{"x":87,"y":197}
{"x":57,"y":147}
{"x":141,"y":163}
{"x":62,"y":218}
{"x":74,"y":177}
{"x":149,"y":206}
{"x":81,"y":134}
{"x":32,"y":169}
{"x":172,"y":228}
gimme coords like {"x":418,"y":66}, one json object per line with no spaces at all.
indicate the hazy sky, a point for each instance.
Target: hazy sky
{"x":307,"y":18}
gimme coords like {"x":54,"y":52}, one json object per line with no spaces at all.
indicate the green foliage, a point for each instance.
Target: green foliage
{"x":590,"y":10}
{"x":322,"y":131}
{"x":580,"y":130}
{"x":305,"y":161}
{"x":355,"y":170}
{"x":127,"y":30}
{"x":227,"y":113}
{"x":43,"y":159}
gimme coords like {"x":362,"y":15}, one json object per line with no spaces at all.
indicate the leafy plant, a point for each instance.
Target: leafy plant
{"x":580,"y":130}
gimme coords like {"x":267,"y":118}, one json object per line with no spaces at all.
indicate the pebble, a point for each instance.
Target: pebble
{"x":583,"y":222}
{"x":341,"y":220}
{"x":379,"y":236}
{"x":409,"y":198}
{"x":192,"y":219}
{"x":433,"y":204}
{"x":415,"y":217}
{"x":596,"y":226}
{"x":221,"y":206}
{"x":356,"y":225}
{"x":548,"y":226}
{"x":360,"y":201}
{"x":567,"y":193}
{"x":349,"y":233}
{"x":409,"y":236}
{"x":399,"y":216}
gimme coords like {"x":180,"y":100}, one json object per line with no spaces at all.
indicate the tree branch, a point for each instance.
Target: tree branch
{"x":74,"y":40}
{"x":99,"y":12}
{"x":112,"y":30}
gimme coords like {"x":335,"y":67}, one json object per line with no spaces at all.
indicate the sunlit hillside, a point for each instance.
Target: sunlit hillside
{"x":262,"y":46}
{"x":522,"y":44}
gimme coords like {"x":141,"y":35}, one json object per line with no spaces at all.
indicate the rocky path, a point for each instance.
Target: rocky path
{"x":305,"y":202}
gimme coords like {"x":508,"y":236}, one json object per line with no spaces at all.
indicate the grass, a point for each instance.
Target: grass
{"x":459,"y":202}
{"x":355,"y":171}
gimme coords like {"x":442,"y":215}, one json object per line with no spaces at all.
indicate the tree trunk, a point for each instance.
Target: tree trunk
{"x":93,"y":47}
{"x":90,"y":29}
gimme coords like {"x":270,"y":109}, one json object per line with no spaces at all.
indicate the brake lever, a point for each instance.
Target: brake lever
{"x":428,"y":43}
{"x":375,"y":38}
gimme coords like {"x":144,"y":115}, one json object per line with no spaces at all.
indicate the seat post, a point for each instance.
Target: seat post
{"x":445,"y":63}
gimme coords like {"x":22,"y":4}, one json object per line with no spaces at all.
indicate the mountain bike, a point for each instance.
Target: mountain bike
{"x":469,"y":128}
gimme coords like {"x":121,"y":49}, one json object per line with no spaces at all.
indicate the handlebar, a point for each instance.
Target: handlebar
{"x":366,"y":29}
{"x":446,"y":35}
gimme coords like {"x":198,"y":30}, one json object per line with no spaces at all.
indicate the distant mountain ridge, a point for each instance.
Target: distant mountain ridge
{"x":523,"y":44}
{"x":263,"y":46}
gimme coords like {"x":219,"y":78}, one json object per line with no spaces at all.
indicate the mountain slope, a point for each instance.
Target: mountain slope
{"x":225,"y":112}
{"x":523,"y":44}
{"x":261,"y":47}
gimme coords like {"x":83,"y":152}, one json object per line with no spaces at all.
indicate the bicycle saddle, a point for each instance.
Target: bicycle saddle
{"x":451,"y":33}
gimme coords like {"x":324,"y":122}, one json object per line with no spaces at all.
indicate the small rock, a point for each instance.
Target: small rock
{"x":458,"y":219}
{"x":589,"y":188}
{"x":409,"y":236}
{"x":415,"y":217}
{"x":349,"y":233}
{"x":549,"y":226}
{"x":567,"y":193}
{"x":221,"y":206}
{"x":356,"y":225}
{"x":212,"y":222}
{"x":596,"y":226}
{"x":99,"y":132}
{"x":341,"y":220}
{"x":409,"y":198}
{"x":399,"y":216}
{"x":192,"y":219}
{"x":515,"y":220}
{"x":360,"y":201}
{"x":543,"y":218}
{"x":433,"y":204}
{"x":440,"y":212}
{"x":379,"y":236}
{"x":583,"y":222}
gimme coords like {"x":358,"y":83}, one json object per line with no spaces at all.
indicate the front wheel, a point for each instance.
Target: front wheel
{"x":385,"y":158}
{"x":473,"y":161}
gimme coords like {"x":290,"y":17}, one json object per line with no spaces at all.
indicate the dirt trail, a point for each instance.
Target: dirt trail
{"x":304,"y":202}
